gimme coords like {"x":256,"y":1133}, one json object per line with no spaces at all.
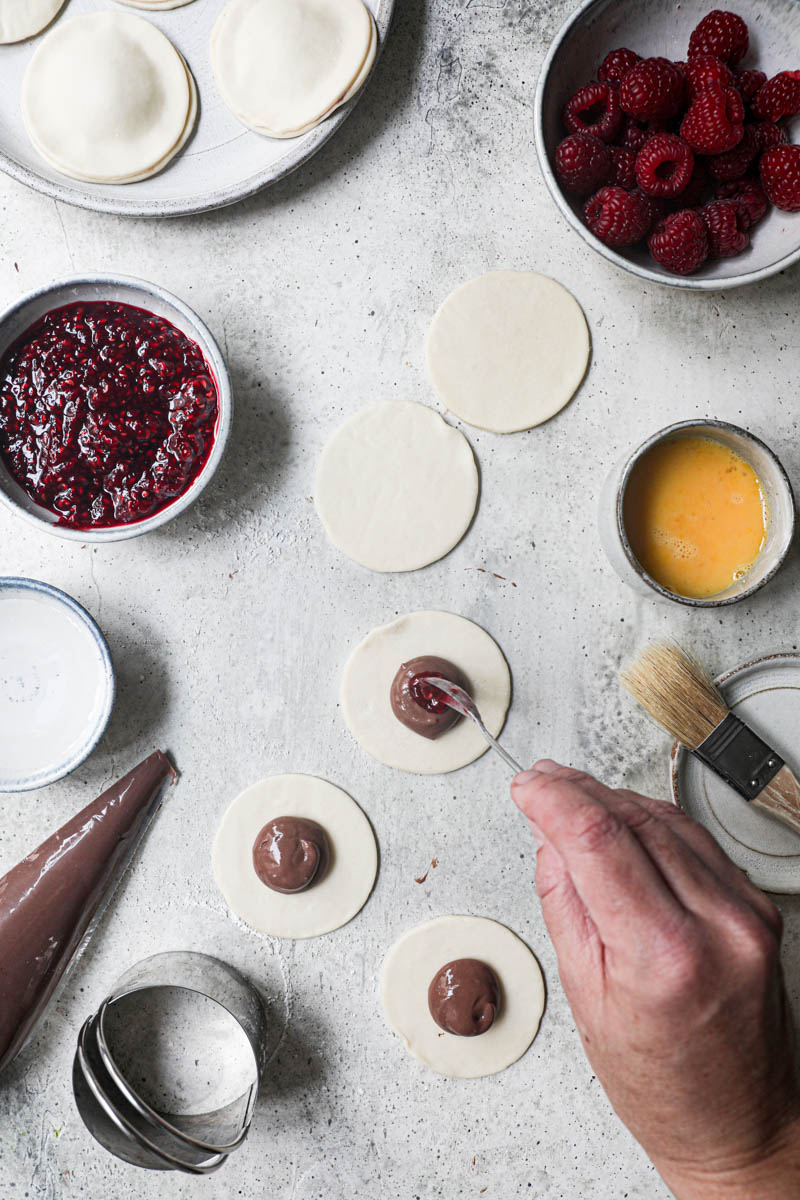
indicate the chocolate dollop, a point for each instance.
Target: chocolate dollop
{"x":464,"y":997}
{"x":291,"y":854}
{"x":419,"y":705}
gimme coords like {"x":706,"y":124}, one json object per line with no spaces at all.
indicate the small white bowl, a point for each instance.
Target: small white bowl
{"x":137,"y":292}
{"x":660,"y":27}
{"x":777,"y":490}
{"x":57,"y":684}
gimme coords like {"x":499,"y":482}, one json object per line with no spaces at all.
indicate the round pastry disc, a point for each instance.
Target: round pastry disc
{"x":283,"y":65}
{"x":339,"y":895}
{"x":412,"y":963}
{"x":20,"y":19}
{"x":106,"y":96}
{"x":507,"y":350}
{"x":374,"y":484}
{"x":765,"y":693}
{"x":188,"y":129}
{"x":357,"y":83}
{"x":372,"y":666}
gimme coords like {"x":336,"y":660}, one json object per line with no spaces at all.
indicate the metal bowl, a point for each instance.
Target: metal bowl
{"x":658,"y":27}
{"x":137,"y":292}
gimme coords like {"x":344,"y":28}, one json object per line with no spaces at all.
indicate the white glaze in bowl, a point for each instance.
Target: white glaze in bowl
{"x":56,"y":684}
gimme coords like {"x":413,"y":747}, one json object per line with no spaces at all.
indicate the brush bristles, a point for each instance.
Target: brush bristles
{"x":676,"y":691}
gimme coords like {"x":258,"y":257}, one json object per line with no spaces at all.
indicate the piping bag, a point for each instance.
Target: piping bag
{"x":49,"y":900}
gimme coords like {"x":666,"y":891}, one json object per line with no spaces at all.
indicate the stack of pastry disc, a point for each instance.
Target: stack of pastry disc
{"x":20,"y":20}
{"x":107,"y":98}
{"x":283,"y":66}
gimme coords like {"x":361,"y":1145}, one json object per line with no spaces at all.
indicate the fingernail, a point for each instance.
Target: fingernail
{"x":546,"y":766}
{"x":524,"y":777}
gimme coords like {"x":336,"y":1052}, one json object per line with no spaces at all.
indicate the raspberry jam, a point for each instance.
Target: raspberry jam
{"x":107,"y":413}
{"x":427,"y":695}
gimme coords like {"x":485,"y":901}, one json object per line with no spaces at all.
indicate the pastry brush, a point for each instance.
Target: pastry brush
{"x":675,"y":689}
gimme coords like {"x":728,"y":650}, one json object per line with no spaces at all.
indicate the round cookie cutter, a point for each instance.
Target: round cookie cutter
{"x":114,"y":1105}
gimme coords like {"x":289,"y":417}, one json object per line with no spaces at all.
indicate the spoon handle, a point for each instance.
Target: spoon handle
{"x":498,"y":749}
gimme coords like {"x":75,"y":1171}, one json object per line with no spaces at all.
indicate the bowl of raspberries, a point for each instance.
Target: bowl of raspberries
{"x":664,"y":133}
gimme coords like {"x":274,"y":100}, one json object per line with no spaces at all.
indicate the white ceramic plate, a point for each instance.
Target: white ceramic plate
{"x":56,"y":684}
{"x":766,"y":694}
{"x":222,"y":163}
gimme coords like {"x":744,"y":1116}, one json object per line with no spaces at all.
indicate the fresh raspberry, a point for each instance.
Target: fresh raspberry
{"x":635,"y":133}
{"x":582,"y":163}
{"x":747,"y":82}
{"x":778,"y":97}
{"x":734,"y":163}
{"x":594,"y":109}
{"x":706,"y":72}
{"x":698,"y":187}
{"x":658,"y":208}
{"x":748,"y":192}
{"x":714,"y":122}
{"x":652,"y":90}
{"x":768,"y":133}
{"x":664,"y":166}
{"x":623,"y":167}
{"x":615,"y":64}
{"x":727,"y":222}
{"x":680,"y":242}
{"x":780,"y":176}
{"x":616,"y":217}
{"x":723,"y":34}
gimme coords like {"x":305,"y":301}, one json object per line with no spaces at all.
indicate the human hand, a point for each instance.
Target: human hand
{"x":669,"y":958}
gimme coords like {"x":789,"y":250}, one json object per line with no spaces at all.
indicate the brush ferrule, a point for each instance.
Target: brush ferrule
{"x":740,"y":757}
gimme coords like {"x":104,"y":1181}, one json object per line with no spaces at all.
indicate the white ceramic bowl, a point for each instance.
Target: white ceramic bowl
{"x":660,"y":27}
{"x":56,"y":684}
{"x":15,"y":320}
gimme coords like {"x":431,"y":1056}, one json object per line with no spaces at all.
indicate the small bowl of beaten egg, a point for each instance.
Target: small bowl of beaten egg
{"x":701,"y":513}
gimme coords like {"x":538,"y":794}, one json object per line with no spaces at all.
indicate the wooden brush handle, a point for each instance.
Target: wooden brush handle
{"x":781,"y":799}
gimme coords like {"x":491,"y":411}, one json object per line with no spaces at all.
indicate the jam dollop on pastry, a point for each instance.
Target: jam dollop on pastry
{"x":418,"y":704}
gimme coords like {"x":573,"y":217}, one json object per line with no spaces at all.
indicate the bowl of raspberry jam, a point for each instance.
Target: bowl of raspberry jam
{"x":115,"y":407}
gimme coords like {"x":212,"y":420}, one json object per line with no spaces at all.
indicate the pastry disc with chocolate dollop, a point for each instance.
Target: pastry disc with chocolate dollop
{"x":371,"y":670}
{"x":289,"y":812}
{"x":464,"y":996}
{"x":291,"y":854}
{"x":419,"y":705}
{"x":437,"y":1010}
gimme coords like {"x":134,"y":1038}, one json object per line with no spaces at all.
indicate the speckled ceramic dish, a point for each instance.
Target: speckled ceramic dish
{"x":776,"y":489}
{"x":661,"y":27}
{"x":222,"y":163}
{"x":15,"y":320}
{"x":766,"y":694}
{"x":56,"y":684}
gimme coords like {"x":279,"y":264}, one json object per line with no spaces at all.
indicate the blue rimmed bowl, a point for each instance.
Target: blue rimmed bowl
{"x":57,"y":684}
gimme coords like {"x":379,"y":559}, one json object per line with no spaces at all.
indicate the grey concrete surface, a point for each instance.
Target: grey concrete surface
{"x":229,"y":628}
